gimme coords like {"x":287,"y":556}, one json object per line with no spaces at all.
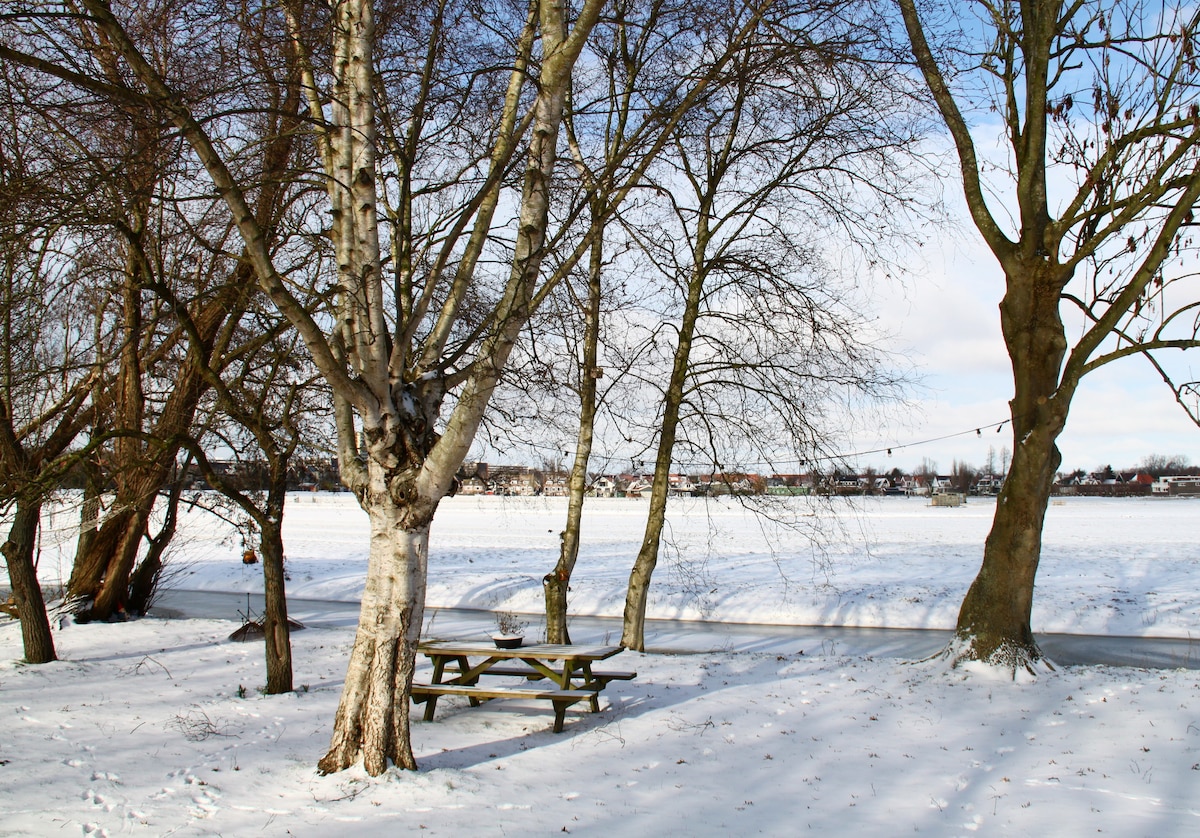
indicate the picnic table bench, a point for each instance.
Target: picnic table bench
{"x":597,"y":677}
{"x":567,"y":667}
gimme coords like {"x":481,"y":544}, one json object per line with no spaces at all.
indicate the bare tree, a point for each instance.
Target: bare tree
{"x":268,"y":401}
{"x":48,"y":350}
{"x":45,"y":391}
{"x":620,"y":113}
{"x":1158,"y":465}
{"x":275,"y":402}
{"x":177,"y":284}
{"x":390,"y":376}
{"x":802,"y":137}
{"x":1097,"y":102}
{"x":138,"y":232}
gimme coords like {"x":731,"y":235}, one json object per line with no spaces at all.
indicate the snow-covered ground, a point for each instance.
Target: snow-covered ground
{"x":157,"y":727}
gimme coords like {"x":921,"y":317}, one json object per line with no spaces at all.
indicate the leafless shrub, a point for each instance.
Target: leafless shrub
{"x":197,"y":726}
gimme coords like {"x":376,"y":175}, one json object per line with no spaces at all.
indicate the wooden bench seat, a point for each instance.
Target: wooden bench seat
{"x":428,"y":695}
{"x":599,"y":675}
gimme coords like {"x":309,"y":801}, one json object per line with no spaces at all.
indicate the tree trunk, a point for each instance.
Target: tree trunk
{"x":995,"y":614}
{"x":373,"y":716}
{"x":89,"y":510}
{"x":633,"y":634}
{"x":275,"y":616}
{"x":143,"y":582}
{"x":112,"y":595}
{"x":994,"y":620}
{"x":558,"y":583}
{"x":31,"y":608}
{"x":633,"y":631}
{"x":637,"y":594}
{"x":102,"y":576}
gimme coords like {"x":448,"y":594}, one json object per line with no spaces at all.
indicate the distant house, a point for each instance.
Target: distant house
{"x":633,"y":486}
{"x":913,"y":485}
{"x":519,"y":481}
{"x":789,"y":484}
{"x":871,"y":485}
{"x":1106,"y":483}
{"x":473,"y":485}
{"x":556,"y":485}
{"x":1178,"y":485}
{"x":988,"y":484}
{"x":680,"y":485}
{"x":732,"y":483}
{"x":473,"y":479}
{"x":604,"y":486}
{"x":940,"y":483}
{"x":846,"y":485}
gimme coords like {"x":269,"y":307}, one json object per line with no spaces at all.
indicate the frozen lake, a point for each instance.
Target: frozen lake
{"x":1109,"y":566}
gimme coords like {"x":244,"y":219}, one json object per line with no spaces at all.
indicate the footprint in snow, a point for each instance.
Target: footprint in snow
{"x":97,"y":799}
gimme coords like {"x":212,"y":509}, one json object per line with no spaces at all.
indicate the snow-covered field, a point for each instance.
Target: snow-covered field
{"x":156,"y":727}
{"x":1127,"y":567}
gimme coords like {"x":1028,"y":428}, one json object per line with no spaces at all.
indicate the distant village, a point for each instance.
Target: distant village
{"x":479,"y":478}
{"x":482,"y":479}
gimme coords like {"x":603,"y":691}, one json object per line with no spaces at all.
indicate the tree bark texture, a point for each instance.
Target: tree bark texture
{"x":276,"y":630}
{"x":89,"y":510}
{"x":102,"y":575}
{"x":18,"y":551}
{"x":994,"y":620}
{"x":372,"y":719}
{"x":143,"y":581}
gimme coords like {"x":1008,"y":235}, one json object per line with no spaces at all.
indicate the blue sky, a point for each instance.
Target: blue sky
{"x":945,"y":317}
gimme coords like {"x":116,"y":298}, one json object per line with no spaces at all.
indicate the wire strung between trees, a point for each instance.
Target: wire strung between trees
{"x":887,"y":449}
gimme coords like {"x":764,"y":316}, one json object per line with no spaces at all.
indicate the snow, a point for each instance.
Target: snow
{"x":157,"y":726}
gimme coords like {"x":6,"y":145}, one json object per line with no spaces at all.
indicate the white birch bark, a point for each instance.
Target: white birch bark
{"x":373,"y":716}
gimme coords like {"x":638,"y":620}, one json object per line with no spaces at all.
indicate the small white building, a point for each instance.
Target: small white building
{"x":680,"y":485}
{"x":604,"y":487}
{"x":1176,"y":485}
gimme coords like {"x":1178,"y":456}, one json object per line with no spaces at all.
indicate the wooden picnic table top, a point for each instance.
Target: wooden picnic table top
{"x":538,"y":651}
{"x":568,"y":667}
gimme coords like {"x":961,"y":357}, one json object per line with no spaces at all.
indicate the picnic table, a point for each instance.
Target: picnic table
{"x":567,"y":668}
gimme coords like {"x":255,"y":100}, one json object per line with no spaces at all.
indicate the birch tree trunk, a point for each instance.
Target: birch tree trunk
{"x":410,"y":469}
{"x":373,"y":714}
